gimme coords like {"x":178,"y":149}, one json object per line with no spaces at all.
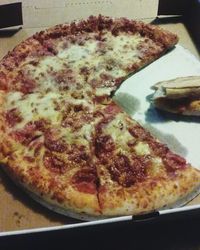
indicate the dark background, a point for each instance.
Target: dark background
{"x":189,"y":10}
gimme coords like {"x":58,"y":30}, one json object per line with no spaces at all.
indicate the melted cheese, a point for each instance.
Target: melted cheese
{"x":125,"y":46}
{"x":84,"y":135}
{"x":46,"y":65}
{"x":156,"y":167}
{"x":90,"y":55}
{"x":142,"y":148}
{"x":34,"y":107}
{"x":118,"y":131}
{"x":43,"y":71}
{"x":77,"y":52}
{"x":103,"y":91}
{"x":47,"y":62}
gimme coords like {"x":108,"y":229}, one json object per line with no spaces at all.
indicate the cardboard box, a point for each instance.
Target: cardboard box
{"x":19,"y":213}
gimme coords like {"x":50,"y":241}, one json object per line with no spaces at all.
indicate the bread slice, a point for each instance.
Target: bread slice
{"x":180,"y":95}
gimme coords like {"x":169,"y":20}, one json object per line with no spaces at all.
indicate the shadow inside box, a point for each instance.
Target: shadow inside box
{"x":128,"y":103}
{"x":167,"y":138}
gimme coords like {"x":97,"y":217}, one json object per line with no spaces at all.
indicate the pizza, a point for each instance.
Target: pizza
{"x":180,"y":95}
{"x":66,"y":142}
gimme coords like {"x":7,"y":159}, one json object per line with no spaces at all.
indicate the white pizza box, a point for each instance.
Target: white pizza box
{"x":19,"y":214}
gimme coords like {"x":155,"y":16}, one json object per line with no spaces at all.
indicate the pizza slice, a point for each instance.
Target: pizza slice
{"x":108,"y":167}
{"x":47,"y":151}
{"x":137,"y":173}
{"x":180,"y":95}
{"x":103,"y":51}
{"x":97,"y":53}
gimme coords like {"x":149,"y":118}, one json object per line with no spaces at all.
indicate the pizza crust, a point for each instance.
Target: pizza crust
{"x":154,"y":194}
{"x":116,"y":201}
{"x":68,"y":202}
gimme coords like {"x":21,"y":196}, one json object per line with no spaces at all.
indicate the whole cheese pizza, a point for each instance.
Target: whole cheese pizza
{"x":62,"y":137}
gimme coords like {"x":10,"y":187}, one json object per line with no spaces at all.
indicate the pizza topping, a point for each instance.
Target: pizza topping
{"x":39,"y":53}
{"x":173,"y":162}
{"x":29,"y":158}
{"x":85,"y":71}
{"x":127,"y":172}
{"x":111,"y":110}
{"x":53,"y":163}
{"x":103,"y":144}
{"x":9,"y":62}
{"x":37,"y":146}
{"x":103,"y":99}
{"x":3,"y":81}
{"x":55,"y":145}
{"x":107,"y":79}
{"x":35,"y":176}
{"x":142,"y":148}
{"x":27,"y":134}
{"x":101,"y":46}
{"x":23,"y":83}
{"x":78,"y":94}
{"x":48,"y":44}
{"x":76,"y":115}
{"x":27,"y":86}
{"x":138,"y":132}
{"x":65,"y":78}
{"x":86,"y":180}
{"x":78,"y":154}
{"x":123,"y":26}
{"x":21,"y":54}
{"x":13,"y":116}
{"x":35,"y":108}
{"x":76,"y":52}
{"x":24,"y":137}
{"x":102,"y":124}
{"x":31,"y":132}
{"x":158,"y":148}
{"x":131,"y":143}
{"x":132,"y":67}
{"x":41,"y":124}
{"x":148,"y":49}
{"x":82,"y":121}
{"x":96,"y":24}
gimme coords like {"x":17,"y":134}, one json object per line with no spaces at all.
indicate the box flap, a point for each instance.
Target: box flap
{"x":47,"y":13}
